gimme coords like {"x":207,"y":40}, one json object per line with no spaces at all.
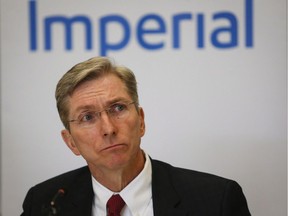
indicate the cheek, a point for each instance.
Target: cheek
{"x":85,"y":139}
{"x":136,"y":130}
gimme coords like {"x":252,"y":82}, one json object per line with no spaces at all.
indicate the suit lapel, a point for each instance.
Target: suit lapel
{"x":166,"y":200}
{"x":80,"y":196}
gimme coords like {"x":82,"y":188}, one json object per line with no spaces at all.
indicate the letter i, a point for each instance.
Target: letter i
{"x":249,"y":23}
{"x":33,"y":25}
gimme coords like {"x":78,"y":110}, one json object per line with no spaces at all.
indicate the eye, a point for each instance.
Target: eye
{"x":87,"y":117}
{"x":118,"y":108}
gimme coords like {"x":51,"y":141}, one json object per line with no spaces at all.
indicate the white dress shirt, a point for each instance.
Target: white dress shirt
{"x":137,"y":195}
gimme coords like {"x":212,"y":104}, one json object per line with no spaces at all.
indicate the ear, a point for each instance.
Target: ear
{"x":68,"y":139}
{"x":142,"y":121}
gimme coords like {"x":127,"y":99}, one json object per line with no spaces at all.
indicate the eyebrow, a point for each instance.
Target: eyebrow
{"x":107,"y":104}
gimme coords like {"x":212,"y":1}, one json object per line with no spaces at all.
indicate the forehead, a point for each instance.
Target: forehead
{"x":98,"y":92}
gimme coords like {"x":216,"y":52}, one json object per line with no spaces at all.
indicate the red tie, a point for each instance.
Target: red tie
{"x":115,"y":205}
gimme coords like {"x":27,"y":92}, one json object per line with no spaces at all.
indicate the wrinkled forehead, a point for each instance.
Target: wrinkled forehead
{"x":104,"y":82}
{"x":98,"y":93}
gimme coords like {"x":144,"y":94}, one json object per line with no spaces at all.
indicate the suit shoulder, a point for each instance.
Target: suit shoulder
{"x":211,"y":194}
{"x":182,"y":175}
{"x":186,"y":181}
{"x":74,"y":183}
{"x":64,"y":180}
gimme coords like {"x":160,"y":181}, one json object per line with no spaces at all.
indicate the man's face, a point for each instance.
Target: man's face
{"x":109,"y":144}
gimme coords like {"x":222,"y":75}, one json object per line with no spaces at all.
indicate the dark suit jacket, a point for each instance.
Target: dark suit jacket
{"x":175,"y":191}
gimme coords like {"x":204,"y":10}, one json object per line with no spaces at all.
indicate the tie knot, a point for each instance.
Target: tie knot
{"x":115,"y":205}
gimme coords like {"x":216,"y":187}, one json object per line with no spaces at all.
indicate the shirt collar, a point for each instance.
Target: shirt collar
{"x":137,"y":194}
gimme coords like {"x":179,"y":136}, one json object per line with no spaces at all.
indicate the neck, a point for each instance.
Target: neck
{"x":116,"y":180}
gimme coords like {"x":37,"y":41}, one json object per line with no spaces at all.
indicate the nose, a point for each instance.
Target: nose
{"x":107,"y":125}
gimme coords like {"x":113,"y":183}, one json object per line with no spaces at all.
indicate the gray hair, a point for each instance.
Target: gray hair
{"x":90,"y":69}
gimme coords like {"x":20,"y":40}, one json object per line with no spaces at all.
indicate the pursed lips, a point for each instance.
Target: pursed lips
{"x":113,"y":146}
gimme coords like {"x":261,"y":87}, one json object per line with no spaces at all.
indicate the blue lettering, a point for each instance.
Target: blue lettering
{"x":176,"y":27}
{"x":200,"y":30}
{"x":149,"y":25}
{"x":33,"y":25}
{"x":67,"y":22}
{"x":232,"y":30}
{"x":142,"y":31}
{"x":105,"y":45}
{"x":249,"y":23}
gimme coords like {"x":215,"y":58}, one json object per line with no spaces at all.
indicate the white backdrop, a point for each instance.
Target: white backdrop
{"x":213,"y":89}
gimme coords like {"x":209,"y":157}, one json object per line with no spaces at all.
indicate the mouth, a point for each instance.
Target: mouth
{"x":114,"y":147}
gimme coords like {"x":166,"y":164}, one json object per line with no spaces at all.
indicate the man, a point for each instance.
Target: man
{"x":98,"y":105}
